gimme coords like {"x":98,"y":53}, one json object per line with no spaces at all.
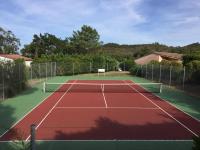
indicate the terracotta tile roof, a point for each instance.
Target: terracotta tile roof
{"x":147,"y":59}
{"x":15,"y":56}
{"x":170,"y":55}
{"x":158,"y":56}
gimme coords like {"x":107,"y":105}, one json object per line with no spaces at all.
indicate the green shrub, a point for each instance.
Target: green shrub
{"x":196,"y":143}
{"x":188,"y":58}
{"x":194,"y":69}
{"x":76,"y":64}
{"x":126,"y":65}
{"x":13,"y":77}
{"x":135,"y":70}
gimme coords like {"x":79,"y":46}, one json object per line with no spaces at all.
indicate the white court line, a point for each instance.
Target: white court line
{"x":165,"y":112}
{"x":117,"y":140}
{"x":27,"y":113}
{"x":51,"y":109}
{"x":104,"y":98}
{"x":106,"y":108}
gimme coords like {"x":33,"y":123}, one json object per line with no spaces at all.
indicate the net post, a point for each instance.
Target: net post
{"x":44,"y":87}
{"x":32,"y":142}
{"x":161,"y":86}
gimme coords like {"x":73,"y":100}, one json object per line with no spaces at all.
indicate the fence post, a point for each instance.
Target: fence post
{"x":73,"y":68}
{"x":106,"y":66}
{"x":170,"y":75}
{"x":51,"y":74}
{"x":152,"y":72}
{"x":39,"y":71}
{"x":160,"y":74}
{"x":183,"y":77}
{"x":55,"y":68}
{"x":90,"y":67}
{"x":31,"y":73}
{"x":32,"y":142}
{"x":141,"y":71}
{"x":19,"y":76}
{"x":146,"y":71}
{"x":46,"y":71}
{"x":3,"y":82}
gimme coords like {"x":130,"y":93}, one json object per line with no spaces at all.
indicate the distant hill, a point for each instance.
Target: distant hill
{"x":144,"y":49}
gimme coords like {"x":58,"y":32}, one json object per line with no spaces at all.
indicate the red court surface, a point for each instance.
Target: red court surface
{"x":105,"y":116}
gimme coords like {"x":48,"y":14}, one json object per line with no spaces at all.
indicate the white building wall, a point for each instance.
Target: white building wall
{"x":3,"y":59}
{"x":28,"y":63}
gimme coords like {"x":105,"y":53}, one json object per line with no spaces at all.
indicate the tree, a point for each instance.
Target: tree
{"x":8,"y":42}
{"x":189,"y":58}
{"x":85,"y":40}
{"x":45,"y":44}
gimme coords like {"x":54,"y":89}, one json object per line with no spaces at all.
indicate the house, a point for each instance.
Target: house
{"x":12,"y":57}
{"x":159,"y":56}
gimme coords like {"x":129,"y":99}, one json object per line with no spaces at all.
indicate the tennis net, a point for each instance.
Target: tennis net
{"x":106,"y":88}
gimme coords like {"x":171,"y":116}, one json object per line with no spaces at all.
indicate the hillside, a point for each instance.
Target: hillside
{"x":144,"y":49}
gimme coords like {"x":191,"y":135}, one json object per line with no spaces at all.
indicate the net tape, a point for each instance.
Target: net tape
{"x":103,"y":87}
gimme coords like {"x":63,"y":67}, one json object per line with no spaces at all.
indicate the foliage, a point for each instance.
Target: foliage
{"x":194,"y":69}
{"x":188,"y":58}
{"x":144,"y":51}
{"x":171,"y":63}
{"x":13,"y":77}
{"x":196,"y":143}
{"x":127,"y":64}
{"x":76,"y":64}
{"x":135,"y":70}
{"x":81,"y":42}
{"x":8,"y":42}
{"x":44,"y":44}
{"x":84,"y":40}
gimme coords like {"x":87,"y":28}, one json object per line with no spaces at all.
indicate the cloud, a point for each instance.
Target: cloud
{"x":122,"y":21}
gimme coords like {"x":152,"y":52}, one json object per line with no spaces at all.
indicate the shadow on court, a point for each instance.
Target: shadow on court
{"x":107,"y":129}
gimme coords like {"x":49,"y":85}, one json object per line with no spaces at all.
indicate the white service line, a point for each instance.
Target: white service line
{"x":51,"y":109}
{"x":104,"y":98}
{"x":165,"y":112}
{"x":106,"y":108}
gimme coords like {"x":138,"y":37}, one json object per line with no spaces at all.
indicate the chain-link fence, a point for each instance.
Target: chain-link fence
{"x":41,"y":70}
{"x":14,"y":76}
{"x":170,"y":75}
{"x":73,"y":68}
{"x":13,"y":79}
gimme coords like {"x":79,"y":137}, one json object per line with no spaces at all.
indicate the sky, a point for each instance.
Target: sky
{"x":169,"y":22}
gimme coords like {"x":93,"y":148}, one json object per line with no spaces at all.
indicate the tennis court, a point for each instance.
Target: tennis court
{"x":104,"y":110}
